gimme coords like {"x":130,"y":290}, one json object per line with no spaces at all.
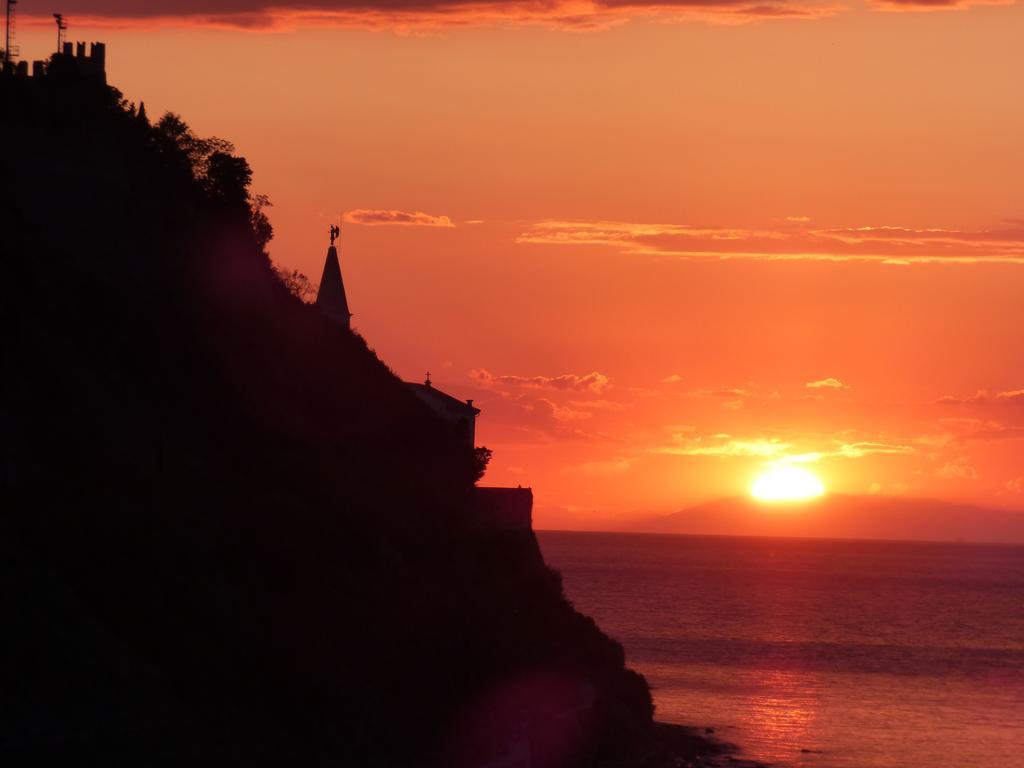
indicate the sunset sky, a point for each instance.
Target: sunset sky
{"x":662,"y":246}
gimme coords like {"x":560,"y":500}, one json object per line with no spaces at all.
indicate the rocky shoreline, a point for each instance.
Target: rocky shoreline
{"x":680,"y":746}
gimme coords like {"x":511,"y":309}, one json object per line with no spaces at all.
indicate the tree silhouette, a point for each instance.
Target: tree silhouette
{"x":298,"y":284}
{"x":482,"y":457}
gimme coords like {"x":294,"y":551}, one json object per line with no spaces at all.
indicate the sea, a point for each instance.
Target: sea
{"x":817,"y":653}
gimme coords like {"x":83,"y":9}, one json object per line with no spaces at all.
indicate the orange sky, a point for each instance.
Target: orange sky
{"x":661,"y":247}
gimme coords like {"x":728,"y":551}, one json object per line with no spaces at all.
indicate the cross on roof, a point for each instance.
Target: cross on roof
{"x":335,"y":232}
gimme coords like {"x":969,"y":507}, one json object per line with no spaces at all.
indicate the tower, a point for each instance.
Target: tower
{"x":62,"y":28}
{"x":331,"y":296}
{"x":10,"y":49}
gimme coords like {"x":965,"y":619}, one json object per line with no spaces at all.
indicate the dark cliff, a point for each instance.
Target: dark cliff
{"x":229,"y":532}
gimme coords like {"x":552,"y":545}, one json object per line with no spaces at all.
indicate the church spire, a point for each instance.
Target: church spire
{"x":331,"y":296}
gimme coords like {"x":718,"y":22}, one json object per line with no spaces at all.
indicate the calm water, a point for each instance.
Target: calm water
{"x":867,"y":654}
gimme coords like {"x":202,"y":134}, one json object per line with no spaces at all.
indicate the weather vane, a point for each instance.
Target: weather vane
{"x":335,"y":232}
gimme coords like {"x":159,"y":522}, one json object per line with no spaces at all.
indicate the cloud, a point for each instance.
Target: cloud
{"x":934,"y":5}
{"x":829,"y":383}
{"x":558,"y":412}
{"x":957,"y":469}
{"x":275,"y":15}
{"x":982,"y":430}
{"x":777,"y":450}
{"x":591,"y":382}
{"x":536,"y":418}
{"x":725,"y":445}
{"x":613,"y":466}
{"x":861,"y":449}
{"x":546,"y":408}
{"x":727,"y":393}
{"x":979,"y":397}
{"x":543,"y":420}
{"x":376,"y":218}
{"x":599,"y":405}
{"x":1013,"y":397}
{"x":733,"y":398}
{"x":867,"y":244}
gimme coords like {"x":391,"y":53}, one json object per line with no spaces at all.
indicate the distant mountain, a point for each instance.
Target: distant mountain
{"x":845,"y":517}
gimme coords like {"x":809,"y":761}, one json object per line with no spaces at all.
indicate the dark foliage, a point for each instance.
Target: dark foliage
{"x":482,"y":456}
{"x":230,"y":533}
{"x":298,"y":285}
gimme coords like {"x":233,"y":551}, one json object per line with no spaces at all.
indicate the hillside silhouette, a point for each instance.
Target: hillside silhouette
{"x":232,"y":535}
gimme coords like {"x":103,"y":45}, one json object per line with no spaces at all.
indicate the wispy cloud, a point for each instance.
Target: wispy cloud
{"x":959,"y":468}
{"x":403,"y":15}
{"x":541,"y":419}
{"x":842,"y":450}
{"x":829,"y":383}
{"x":373,"y":217}
{"x":1016,"y":485}
{"x":778,"y":450}
{"x":590,"y":382}
{"x":867,"y":448}
{"x":560,"y":412}
{"x":980,"y":430}
{"x":599,"y":405}
{"x":539,"y":408}
{"x":733,"y":398}
{"x":725,"y":445}
{"x":796,"y":242}
{"x":613,"y":466}
{"x":934,"y":5}
{"x":1014,"y":397}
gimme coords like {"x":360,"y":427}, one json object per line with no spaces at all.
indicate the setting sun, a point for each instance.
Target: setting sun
{"x":787,"y":484}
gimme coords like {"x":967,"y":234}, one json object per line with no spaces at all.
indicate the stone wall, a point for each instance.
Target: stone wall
{"x":504,"y":509}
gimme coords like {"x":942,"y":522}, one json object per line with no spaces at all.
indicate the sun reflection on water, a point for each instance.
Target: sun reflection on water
{"x":780,"y":713}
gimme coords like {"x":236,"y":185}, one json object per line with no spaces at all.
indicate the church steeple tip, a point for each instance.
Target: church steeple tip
{"x":331,"y":296}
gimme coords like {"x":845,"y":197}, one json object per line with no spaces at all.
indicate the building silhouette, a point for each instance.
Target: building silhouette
{"x":330,"y":297}
{"x":91,"y":65}
{"x":460,"y":414}
{"x":495,"y":509}
{"x":71,"y":60}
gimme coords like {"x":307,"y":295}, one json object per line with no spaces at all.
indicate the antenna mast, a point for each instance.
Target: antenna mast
{"x":10,"y":50}
{"x":62,"y":27}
